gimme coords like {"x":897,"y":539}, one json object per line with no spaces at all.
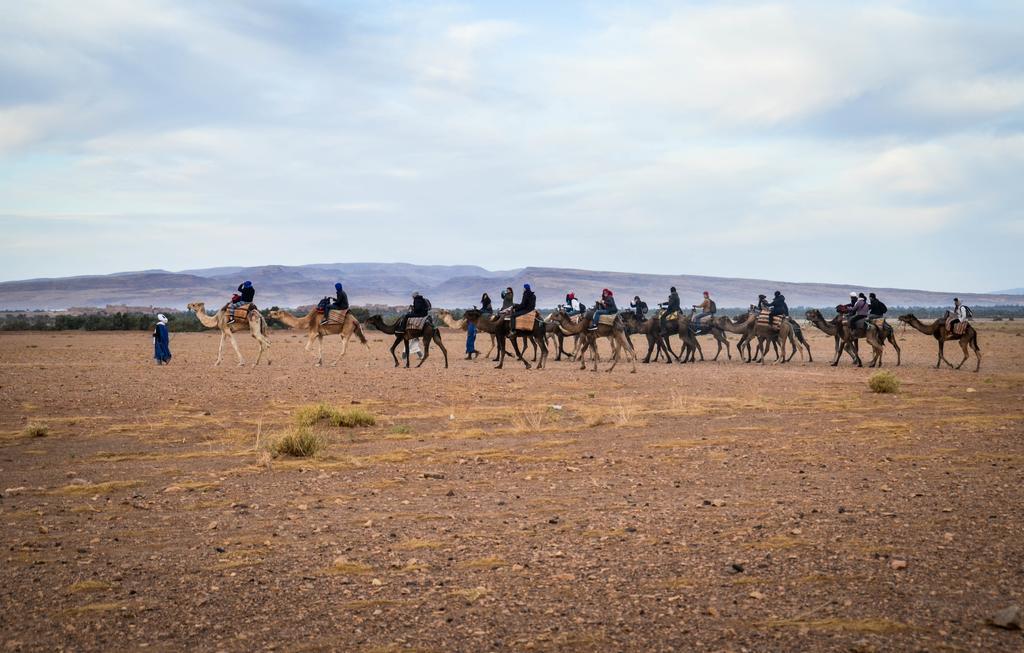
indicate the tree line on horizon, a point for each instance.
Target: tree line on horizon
{"x":184,"y":321}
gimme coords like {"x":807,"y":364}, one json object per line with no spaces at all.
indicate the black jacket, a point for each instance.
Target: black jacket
{"x":247,"y":293}
{"x":779,"y":305}
{"x":528,"y":303}
{"x":342,"y":301}
{"x":877,"y":307}
{"x":608,"y":304}
{"x":506,"y":300}
{"x":420,"y":306}
{"x":673,"y":302}
{"x":485,"y":305}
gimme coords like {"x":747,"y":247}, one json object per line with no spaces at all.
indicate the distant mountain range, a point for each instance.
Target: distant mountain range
{"x":453,"y":286}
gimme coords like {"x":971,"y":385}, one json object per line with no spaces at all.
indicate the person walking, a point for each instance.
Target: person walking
{"x":471,"y":340}
{"x":161,"y":341}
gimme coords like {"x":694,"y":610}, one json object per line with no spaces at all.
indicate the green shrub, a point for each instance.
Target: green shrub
{"x":883,"y":382}
{"x":300,"y":443}
{"x":36,"y":431}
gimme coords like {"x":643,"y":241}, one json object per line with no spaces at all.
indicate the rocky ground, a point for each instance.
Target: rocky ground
{"x":716,"y":506}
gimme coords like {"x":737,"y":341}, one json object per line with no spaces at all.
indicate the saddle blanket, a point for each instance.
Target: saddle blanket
{"x":607,"y":320}
{"x":336,"y":316}
{"x":415,"y":323}
{"x":957,"y":327}
{"x":879,"y":324}
{"x":526,"y":321}
{"x":671,"y":316}
{"x":765,"y":318}
{"x":241,"y":312}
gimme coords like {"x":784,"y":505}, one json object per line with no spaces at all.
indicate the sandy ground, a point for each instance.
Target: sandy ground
{"x":716,"y":506}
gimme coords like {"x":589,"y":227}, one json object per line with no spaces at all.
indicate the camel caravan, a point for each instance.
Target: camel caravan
{"x":767,"y":324}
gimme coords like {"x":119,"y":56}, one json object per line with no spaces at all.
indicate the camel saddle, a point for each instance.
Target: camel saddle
{"x":526,"y":321}
{"x":336,"y":316}
{"x":414,"y":323}
{"x":671,"y":316}
{"x":241,"y":312}
{"x":956,"y":327}
{"x":879,"y":323}
{"x":765,"y":318}
{"x":607,"y":320}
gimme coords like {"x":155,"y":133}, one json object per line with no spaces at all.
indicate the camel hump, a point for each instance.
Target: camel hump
{"x":337,"y":316}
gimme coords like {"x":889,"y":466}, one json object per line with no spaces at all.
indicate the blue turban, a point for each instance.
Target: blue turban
{"x":526,"y":285}
{"x":247,"y":284}
{"x":337,"y":286}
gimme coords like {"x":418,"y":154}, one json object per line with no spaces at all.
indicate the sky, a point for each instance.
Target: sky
{"x":877,"y":143}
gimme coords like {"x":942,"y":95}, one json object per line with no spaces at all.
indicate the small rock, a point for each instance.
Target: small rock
{"x":736,"y":568}
{"x":1008,"y":618}
{"x":898,"y":564}
{"x":756,"y":595}
{"x":971,"y":390}
{"x":80,"y":481}
{"x":212,"y":526}
{"x":438,"y":475}
{"x":948,"y":537}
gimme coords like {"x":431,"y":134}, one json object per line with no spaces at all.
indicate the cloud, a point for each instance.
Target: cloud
{"x":513,"y":135}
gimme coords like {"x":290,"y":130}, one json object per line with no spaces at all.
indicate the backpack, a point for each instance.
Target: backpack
{"x":714,"y":307}
{"x":967,"y":308}
{"x":429,"y":305}
{"x":882,"y":308}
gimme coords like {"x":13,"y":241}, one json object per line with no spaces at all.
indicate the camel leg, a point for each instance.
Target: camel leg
{"x":426,"y":349}
{"x":394,"y":345}
{"x":319,"y":350}
{"x":616,"y":346}
{"x":543,"y":351}
{"x":220,"y":350}
{"x":234,"y":344}
{"x":631,"y":356}
{"x":519,"y":355}
{"x":963,"y":347}
{"x":977,"y":350}
{"x":942,"y":354}
{"x":891,"y":336}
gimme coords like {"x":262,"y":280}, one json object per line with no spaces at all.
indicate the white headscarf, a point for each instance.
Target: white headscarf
{"x":161,"y":318}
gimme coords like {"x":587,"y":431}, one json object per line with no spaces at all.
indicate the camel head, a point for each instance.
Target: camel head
{"x":813,"y":315}
{"x":908,"y":318}
{"x":276,"y":314}
{"x":197,"y":307}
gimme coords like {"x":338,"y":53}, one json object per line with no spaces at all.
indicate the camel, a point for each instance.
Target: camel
{"x":845,"y":341}
{"x":708,"y":328}
{"x":616,"y":333}
{"x":504,"y":329}
{"x":316,"y":331}
{"x":651,"y":328}
{"x":254,"y":324}
{"x":938,"y":330}
{"x":428,"y":333}
{"x":766,"y":335}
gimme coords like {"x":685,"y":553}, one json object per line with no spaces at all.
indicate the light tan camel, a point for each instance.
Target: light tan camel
{"x":316,"y":331}
{"x":254,"y":324}
{"x":616,"y":333}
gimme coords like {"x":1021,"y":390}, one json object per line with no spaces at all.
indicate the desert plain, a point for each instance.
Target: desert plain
{"x":718,"y":506}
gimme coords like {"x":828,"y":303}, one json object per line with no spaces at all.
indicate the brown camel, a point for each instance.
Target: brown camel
{"x":505,"y":330}
{"x":768,"y":334}
{"x":254,"y":324}
{"x":310,"y":323}
{"x":846,"y":341}
{"x":616,"y":333}
{"x":708,"y":328}
{"x":938,"y":330}
{"x":428,"y":333}
{"x":742,"y":325}
{"x":651,"y":329}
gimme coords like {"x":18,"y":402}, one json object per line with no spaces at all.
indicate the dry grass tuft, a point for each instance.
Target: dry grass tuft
{"x":527,"y":421}
{"x":492,"y":562}
{"x":878,"y":626}
{"x":300,"y":443}
{"x":36,"y":430}
{"x":412,"y":544}
{"x":884,"y":383}
{"x":306,"y":416}
{"x":472,"y":595}
{"x":88,"y":586}
{"x":345,"y":567}
{"x":95,"y":488}
{"x":96,"y":607}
